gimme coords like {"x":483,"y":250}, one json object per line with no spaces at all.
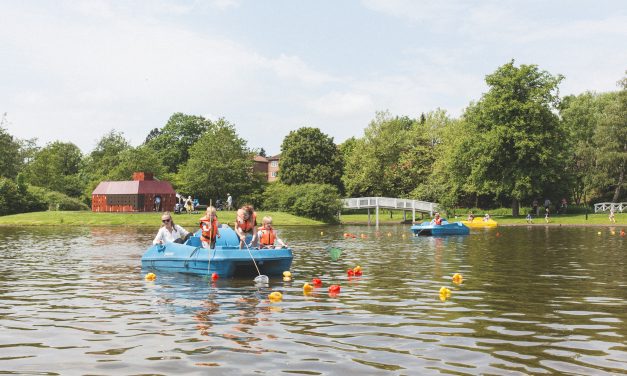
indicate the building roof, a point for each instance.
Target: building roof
{"x":259,"y":158}
{"x":133,"y":187}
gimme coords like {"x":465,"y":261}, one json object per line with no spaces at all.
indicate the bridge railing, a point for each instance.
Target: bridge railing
{"x":606,"y":206}
{"x":389,"y":203}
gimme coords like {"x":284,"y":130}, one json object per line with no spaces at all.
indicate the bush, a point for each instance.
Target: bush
{"x":53,"y":200}
{"x":16,"y":198}
{"x":316,"y":201}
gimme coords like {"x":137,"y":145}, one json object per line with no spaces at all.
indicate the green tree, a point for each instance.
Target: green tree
{"x":310,"y":156}
{"x":173,"y":142}
{"x":10,"y":159}
{"x":141,"y":158}
{"x":516,"y":149}
{"x":104,"y":159}
{"x":219,"y":163}
{"x":57,"y":167}
{"x":611,"y":140}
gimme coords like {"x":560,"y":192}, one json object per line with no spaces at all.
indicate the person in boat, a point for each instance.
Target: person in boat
{"x":209,"y":228}
{"x":245,"y":224}
{"x":471,"y":217}
{"x":437,"y":220}
{"x":486,"y":217}
{"x":170,"y":232}
{"x":267,"y":236}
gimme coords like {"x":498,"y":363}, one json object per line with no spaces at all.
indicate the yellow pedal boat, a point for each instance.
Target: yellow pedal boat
{"x":480,"y":223}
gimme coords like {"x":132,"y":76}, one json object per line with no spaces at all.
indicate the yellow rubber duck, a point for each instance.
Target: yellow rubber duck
{"x":275,"y":296}
{"x":444,"y":293}
{"x":307,"y":288}
{"x":457,"y":278}
{"x":150,"y":277}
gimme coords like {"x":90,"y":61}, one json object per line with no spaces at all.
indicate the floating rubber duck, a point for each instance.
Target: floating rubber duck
{"x":150,"y":277}
{"x":498,"y":234}
{"x":334,"y":289}
{"x":316,"y":282}
{"x":389,"y":234}
{"x":275,"y":296}
{"x":350,"y":272}
{"x":457,"y":278}
{"x":307,"y":288}
{"x":214,"y":276}
{"x":444,"y":293}
{"x":599,"y":233}
{"x":321,"y":233}
{"x":363,"y":236}
{"x":622,"y":232}
{"x":357,"y":270}
{"x":287,"y":276}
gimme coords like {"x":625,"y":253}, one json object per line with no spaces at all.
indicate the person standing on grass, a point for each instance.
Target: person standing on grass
{"x":612,"y":215}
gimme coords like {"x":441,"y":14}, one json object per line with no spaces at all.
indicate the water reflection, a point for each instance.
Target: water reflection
{"x":534,"y":300}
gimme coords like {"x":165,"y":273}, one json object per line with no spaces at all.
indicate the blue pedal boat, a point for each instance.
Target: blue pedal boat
{"x":227,"y":260}
{"x":446,"y":228}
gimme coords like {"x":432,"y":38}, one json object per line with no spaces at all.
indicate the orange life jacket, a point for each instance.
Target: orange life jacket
{"x":209,"y":228}
{"x":267,"y":236}
{"x":437,"y":221}
{"x":249,"y":225}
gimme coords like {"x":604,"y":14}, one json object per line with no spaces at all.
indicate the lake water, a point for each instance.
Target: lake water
{"x":534,"y":300}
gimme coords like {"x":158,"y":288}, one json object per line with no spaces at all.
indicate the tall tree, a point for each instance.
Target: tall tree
{"x":141,"y":158}
{"x":310,"y":156}
{"x":219,"y":163}
{"x":174,"y":140}
{"x":611,"y":140}
{"x":517,"y":150}
{"x":10,"y":161}
{"x":57,"y":167}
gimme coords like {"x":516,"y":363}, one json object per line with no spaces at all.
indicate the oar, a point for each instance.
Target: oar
{"x":260,"y":279}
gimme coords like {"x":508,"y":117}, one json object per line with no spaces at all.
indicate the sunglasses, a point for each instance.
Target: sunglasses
{"x":165,"y":220}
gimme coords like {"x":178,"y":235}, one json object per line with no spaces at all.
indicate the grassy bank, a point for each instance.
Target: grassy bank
{"x":88,"y":218}
{"x":600,"y":219}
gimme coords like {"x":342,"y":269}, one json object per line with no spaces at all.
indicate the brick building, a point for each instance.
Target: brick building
{"x":137,"y":195}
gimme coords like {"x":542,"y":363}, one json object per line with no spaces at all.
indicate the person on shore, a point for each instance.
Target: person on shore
{"x":229,"y":202}
{"x":170,"y":232}
{"x":612,"y":216}
{"x":245,"y":223}
{"x":267,"y":236}
{"x":209,"y":228}
{"x":529,"y":218}
{"x":189,"y":205}
{"x":157,"y":203}
{"x":547,"y":214}
{"x":437,"y":220}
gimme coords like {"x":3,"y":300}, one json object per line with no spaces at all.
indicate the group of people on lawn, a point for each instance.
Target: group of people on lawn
{"x":263,"y":236}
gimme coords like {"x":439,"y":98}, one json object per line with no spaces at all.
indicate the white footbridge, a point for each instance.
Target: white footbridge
{"x":403,"y":204}
{"x":618,"y":207}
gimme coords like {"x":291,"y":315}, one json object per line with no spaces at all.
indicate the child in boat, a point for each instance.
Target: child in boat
{"x":267,"y":236}
{"x":209,"y":227}
{"x":245,"y":224}
{"x":486,"y":217}
{"x":471,"y":217}
{"x":436,"y":219}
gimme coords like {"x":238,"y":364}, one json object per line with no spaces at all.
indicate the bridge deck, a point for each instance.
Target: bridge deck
{"x":389,"y":203}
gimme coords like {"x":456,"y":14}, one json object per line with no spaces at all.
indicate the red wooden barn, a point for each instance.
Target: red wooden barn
{"x":137,"y":195}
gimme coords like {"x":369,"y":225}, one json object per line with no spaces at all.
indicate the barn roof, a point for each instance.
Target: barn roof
{"x":133,"y":187}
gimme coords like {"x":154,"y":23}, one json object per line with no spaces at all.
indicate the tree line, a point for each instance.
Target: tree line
{"x":518,"y":142}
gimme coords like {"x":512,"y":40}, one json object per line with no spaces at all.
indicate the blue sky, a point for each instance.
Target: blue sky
{"x":73,"y":70}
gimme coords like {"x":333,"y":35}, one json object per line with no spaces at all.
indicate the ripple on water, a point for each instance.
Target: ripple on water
{"x":534,"y":301}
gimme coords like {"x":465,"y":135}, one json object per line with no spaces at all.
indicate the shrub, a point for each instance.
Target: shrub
{"x":53,"y":200}
{"x":15,"y":198}
{"x":317,"y":201}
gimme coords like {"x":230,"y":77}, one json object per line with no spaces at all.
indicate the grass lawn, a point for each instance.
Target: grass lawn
{"x":88,"y":218}
{"x":507,"y":220}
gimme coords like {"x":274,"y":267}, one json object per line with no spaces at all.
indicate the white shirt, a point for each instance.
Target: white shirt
{"x":165,"y":236}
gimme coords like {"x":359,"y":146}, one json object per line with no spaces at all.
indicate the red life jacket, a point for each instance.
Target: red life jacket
{"x":268,"y":236}
{"x":249,"y":225}
{"x":209,"y":228}
{"x":437,"y":221}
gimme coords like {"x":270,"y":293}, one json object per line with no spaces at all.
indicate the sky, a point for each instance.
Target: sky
{"x":75,"y":70}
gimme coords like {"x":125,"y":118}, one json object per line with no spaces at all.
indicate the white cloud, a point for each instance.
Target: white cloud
{"x":341,"y":104}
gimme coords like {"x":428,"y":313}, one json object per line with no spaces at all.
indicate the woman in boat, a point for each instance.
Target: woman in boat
{"x":169,"y":232}
{"x":245,"y":224}
{"x":436,"y":219}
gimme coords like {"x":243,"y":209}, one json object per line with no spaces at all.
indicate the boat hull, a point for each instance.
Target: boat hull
{"x":480,"y":223}
{"x":226,"y":260}
{"x":428,"y":229}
